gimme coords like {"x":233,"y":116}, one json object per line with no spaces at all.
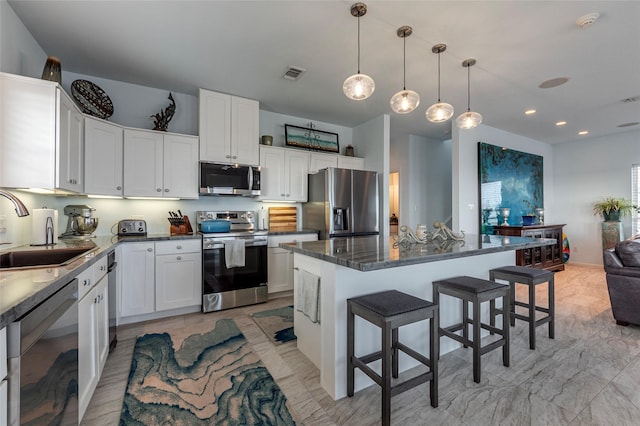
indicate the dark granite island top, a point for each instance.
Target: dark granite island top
{"x":372,"y":253}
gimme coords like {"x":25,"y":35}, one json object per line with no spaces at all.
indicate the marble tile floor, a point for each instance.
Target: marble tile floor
{"x":587,"y":375}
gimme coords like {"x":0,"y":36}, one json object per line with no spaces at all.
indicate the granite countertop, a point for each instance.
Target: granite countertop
{"x":23,"y":289}
{"x":292,"y":231}
{"x":377,"y":252}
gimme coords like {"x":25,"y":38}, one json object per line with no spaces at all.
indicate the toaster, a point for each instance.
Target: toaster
{"x":132,"y":227}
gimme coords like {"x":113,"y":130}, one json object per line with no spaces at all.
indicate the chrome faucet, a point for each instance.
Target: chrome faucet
{"x":21,"y":209}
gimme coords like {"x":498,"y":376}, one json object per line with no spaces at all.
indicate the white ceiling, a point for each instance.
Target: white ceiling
{"x":244,"y":47}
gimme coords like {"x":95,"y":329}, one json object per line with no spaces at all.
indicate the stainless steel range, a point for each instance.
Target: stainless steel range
{"x":233,"y":274}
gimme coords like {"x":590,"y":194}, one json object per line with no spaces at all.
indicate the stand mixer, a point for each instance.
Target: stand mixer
{"x":81,"y":223}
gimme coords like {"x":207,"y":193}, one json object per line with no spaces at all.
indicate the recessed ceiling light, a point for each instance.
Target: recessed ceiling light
{"x":530,"y":111}
{"x":554,"y":82}
{"x":561,"y":123}
{"x":583,"y":132}
{"x":587,"y":20}
{"x":633,"y":123}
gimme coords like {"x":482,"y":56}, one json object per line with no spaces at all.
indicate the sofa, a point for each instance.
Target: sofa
{"x":622,"y":266}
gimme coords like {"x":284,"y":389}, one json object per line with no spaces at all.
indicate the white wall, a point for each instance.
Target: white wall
{"x":19,"y":51}
{"x":425,"y":179}
{"x":272,"y":123}
{"x":586,"y":171}
{"x":371,"y":140}
{"x":133,"y":105}
{"x":464,"y":152}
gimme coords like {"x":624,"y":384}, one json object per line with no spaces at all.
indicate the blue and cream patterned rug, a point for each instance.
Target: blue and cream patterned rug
{"x":277,"y":324}
{"x":211,"y":379}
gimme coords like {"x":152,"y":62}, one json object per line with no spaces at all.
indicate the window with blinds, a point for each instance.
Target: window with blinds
{"x":635,"y":198}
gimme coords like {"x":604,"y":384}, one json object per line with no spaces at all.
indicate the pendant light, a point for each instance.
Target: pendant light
{"x":440,"y":111}
{"x":358,"y":86}
{"x":468,"y":119}
{"x":405,"y":100}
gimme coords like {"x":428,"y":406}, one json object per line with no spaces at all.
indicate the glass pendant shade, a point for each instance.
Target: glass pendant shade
{"x":405,"y":101}
{"x":439,"y":112}
{"x":468,"y":120}
{"x":358,"y":87}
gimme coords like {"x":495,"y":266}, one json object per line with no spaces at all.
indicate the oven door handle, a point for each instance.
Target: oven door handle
{"x":220,"y":244}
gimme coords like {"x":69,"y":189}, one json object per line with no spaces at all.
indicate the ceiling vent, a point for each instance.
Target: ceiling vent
{"x":293,"y":73}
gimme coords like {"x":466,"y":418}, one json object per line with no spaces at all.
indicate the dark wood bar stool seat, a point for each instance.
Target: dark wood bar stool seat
{"x":390,"y":310}
{"x":476,"y":291}
{"x":530,"y":277}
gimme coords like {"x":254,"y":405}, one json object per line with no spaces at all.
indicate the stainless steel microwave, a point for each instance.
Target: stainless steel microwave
{"x":228,"y":179}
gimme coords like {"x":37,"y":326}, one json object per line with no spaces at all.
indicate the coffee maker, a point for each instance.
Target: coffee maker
{"x":81,"y":223}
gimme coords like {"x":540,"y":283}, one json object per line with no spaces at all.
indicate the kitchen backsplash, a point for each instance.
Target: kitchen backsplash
{"x":110,"y":211}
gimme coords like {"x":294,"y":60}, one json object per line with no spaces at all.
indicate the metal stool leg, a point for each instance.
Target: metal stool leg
{"x":350,"y":350}
{"x":465,"y":321}
{"x":532,"y":316}
{"x":505,"y":330}
{"x":394,"y":352}
{"x":552,"y":309}
{"x":476,"y":342}
{"x":434,"y":353}
{"x":386,"y":374}
{"x":512,"y":298}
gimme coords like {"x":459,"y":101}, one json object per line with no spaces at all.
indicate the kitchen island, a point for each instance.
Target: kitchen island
{"x":350,"y":267}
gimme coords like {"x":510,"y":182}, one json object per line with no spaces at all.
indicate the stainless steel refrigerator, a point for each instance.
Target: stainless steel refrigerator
{"x":342,"y":203}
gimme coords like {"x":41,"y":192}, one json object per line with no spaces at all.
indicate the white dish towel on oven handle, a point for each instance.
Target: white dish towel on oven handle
{"x":234,"y":253}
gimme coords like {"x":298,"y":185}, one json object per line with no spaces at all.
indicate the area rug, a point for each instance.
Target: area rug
{"x":211,"y":379}
{"x":277,"y":324}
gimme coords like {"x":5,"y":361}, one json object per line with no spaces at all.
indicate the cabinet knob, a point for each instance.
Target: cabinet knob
{"x":166,"y":190}
{"x":234,"y":157}
{"x":149,"y":249}
{"x":179,"y":247}
{"x":158,"y":190}
{"x":178,"y":257}
{"x":282,"y":195}
{"x":227,"y":156}
{"x":86,"y":282}
{"x":119,"y":188}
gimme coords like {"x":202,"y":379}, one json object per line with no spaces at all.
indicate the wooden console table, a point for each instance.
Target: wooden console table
{"x":545,"y":257}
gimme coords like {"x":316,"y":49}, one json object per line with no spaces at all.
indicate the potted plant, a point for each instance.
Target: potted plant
{"x":529,"y":218}
{"x":612,"y":208}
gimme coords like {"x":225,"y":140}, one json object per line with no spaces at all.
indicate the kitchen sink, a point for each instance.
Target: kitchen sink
{"x":41,"y":257}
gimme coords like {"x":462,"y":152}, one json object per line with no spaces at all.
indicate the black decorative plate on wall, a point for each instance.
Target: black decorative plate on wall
{"x":91,"y":99}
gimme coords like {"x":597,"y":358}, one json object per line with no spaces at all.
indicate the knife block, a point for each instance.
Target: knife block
{"x":180,"y":226}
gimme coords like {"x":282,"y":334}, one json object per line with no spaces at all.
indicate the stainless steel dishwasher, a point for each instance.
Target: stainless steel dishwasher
{"x":43,"y":362}
{"x":113,"y":299}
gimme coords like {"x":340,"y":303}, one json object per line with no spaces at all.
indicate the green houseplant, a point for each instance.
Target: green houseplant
{"x":612,"y":208}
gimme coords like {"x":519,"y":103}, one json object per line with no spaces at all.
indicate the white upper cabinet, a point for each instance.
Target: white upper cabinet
{"x":41,"y":137}
{"x":229,"y":127}
{"x":102,"y":157}
{"x":283,"y":174}
{"x":318,"y":161}
{"x":160,"y":165}
{"x":353,"y":163}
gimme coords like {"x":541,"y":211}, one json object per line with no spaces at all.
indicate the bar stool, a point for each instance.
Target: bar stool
{"x":390,"y":310}
{"x":476,"y":291}
{"x":530,"y":277}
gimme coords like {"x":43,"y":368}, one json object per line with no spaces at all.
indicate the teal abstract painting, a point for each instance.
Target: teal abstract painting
{"x":508,"y":179}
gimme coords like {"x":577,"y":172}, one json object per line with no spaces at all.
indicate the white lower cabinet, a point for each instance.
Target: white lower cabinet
{"x":138,"y":276}
{"x":178,"y":274}
{"x":160,"y":276}
{"x":3,"y":377}
{"x":93,"y":340}
{"x":280,"y":261}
